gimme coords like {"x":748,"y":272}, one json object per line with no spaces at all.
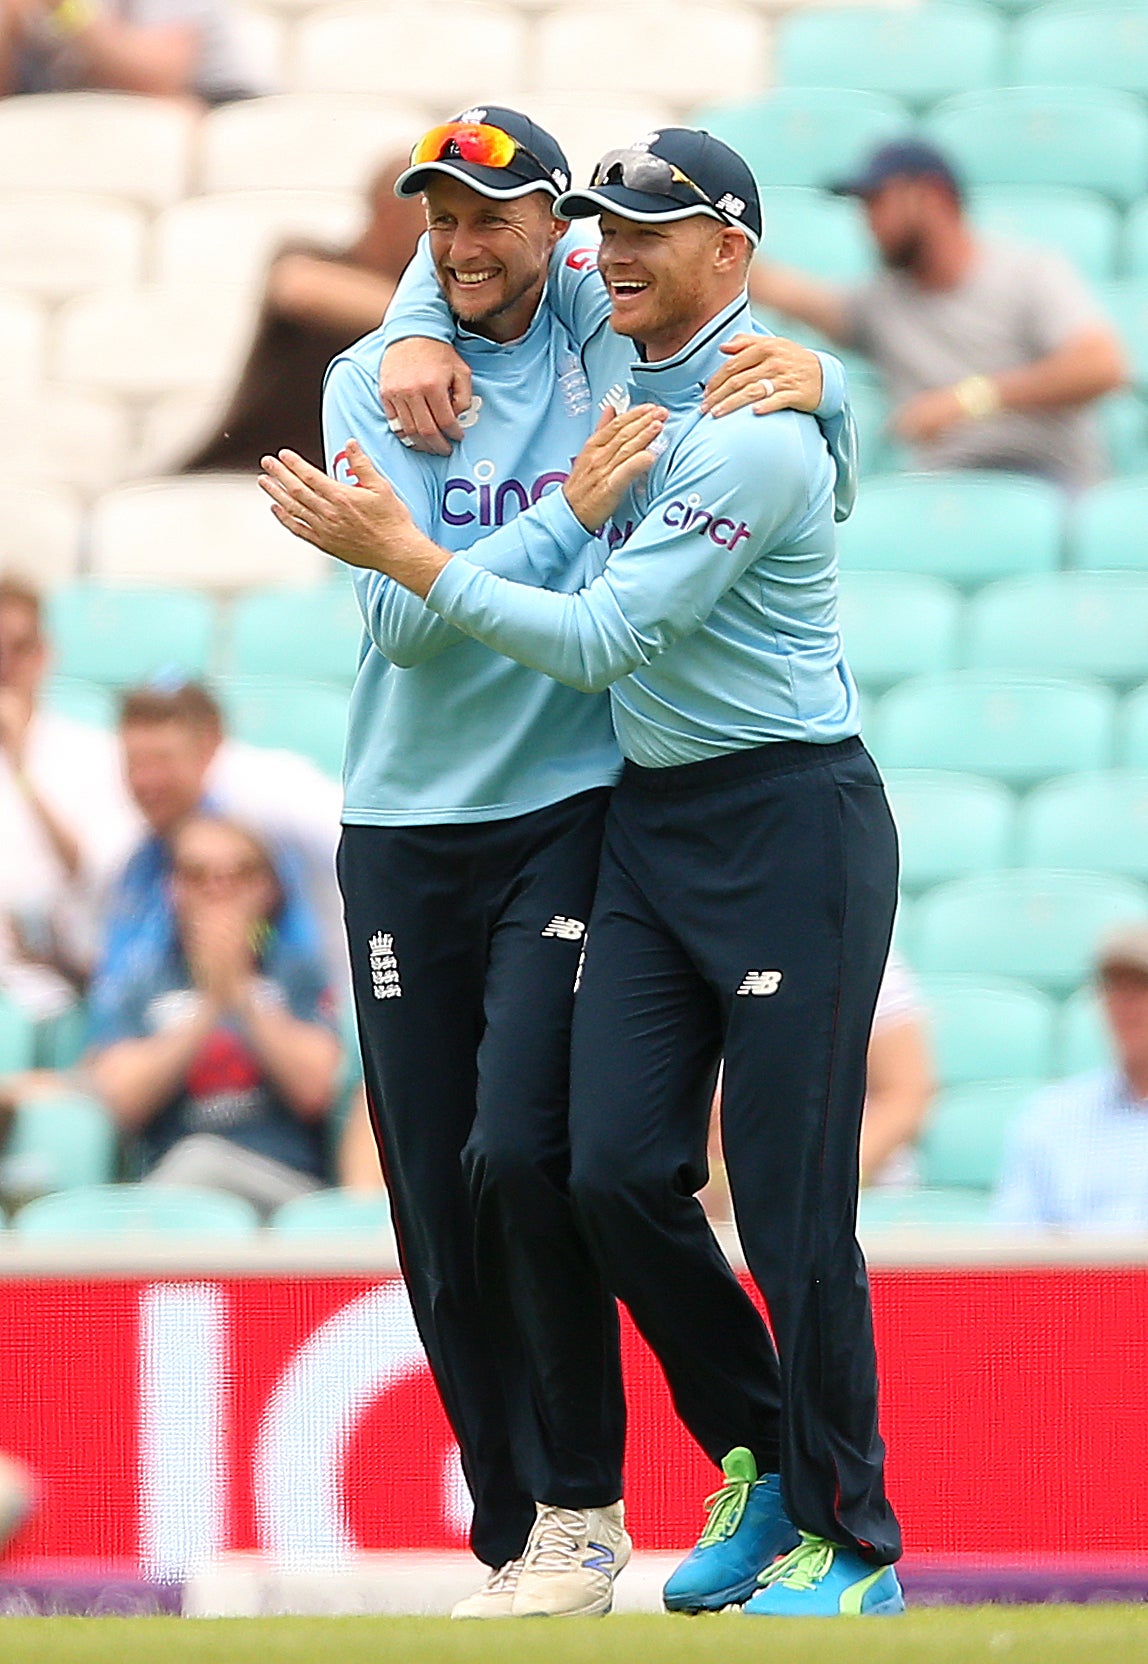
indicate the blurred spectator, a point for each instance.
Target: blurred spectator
{"x":177,"y":760}
{"x":991,"y":351}
{"x":316,"y":303}
{"x":900,"y":1083}
{"x":66,"y":818}
{"x":218,"y":1049}
{"x":163,"y":47}
{"x":1077,"y":1156}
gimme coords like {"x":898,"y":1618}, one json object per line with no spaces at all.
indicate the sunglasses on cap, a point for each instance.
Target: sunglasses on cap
{"x":641,"y":170}
{"x":471,"y":141}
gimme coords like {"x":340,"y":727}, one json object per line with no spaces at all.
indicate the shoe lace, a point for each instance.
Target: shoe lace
{"x":556,"y":1539}
{"x":504,"y":1578}
{"x":726,"y":1508}
{"x":803,"y":1567}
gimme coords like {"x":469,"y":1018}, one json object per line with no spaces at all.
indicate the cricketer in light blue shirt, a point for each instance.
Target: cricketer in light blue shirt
{"x":1077,"y":1158}
{"x":443,"y":728}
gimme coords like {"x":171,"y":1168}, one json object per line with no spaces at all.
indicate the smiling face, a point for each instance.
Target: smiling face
{"x":667,"y":278}
{"x":490,"y":255}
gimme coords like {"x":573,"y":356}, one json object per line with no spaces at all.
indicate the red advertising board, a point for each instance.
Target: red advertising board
{"x":172,"y":1418}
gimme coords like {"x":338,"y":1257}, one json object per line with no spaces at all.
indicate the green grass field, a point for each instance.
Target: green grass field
{"x":961,"y":1635}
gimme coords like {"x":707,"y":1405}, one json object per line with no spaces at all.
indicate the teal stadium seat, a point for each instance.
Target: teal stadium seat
{"x":806,"y":135}
{"x":1016,"y":729}
{"x":1098,"y":822}
{"x":1085,"y":227}
{"x":1084,"y":1038}
{"x":81,"y":701}
{"x":989,"y":1028}
{"x":136,"y":1209}
{"x":897,"y":624}
{"x":968,"y":527}
{"x":123,"y":636}
{"x":1032,"y":923}
{"x":58,"y":1143}
{"x":964,"y":1138}
{"x":820,"y":234}
{"x":1080,"y":44}
{"x":307,"y":717}
{"x":1136,"y":239}
{"x":312,"y":634}
{"x":1063,"y":624}
{"x":929,"y":1209}
{"x":1126,"y":303}
{"x":880,"y":452}
{"x":335,"y":1213}
{"x":1133,"y":745}
{"x":1123,"y":422}
{"x":1109,"y":528}
{"x":949,"y":824}
{"x":1081,"y":136}
{"x":17,"y":1038}
{"x":917,"y":54}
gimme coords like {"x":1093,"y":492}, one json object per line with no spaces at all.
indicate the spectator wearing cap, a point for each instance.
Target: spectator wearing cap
{"x":1077,"y":1157}
{"x":991,"y":352}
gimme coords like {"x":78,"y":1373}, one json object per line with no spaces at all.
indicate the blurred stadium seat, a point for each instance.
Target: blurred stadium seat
{"x":121,"y":636}
{"x":17,"y":1037}
{"x":56,"y":245}
{"x":918,"y":54}
{"x":206,"y":531}
{"x":949,"y":824}
{"x":821,"y":234}
{"x":1123,"y":421}
{"x":589,"y":124}
{"x":1136,"y":239}
{"x":964,"y":1137}
{"x":671,"y":51}
{"x":23,"y":338}
{"x":1094,"y":821}
{"x":175,"y":424}
{"x":109,"y":143}
{"x":57,"y":436}
{"x":58,"y":1143}
{"x":40,"y":531}
{"x":238,"y":232}
{"x":444,"y":54}
{"x":1084,"y":1041}
{"x":120,"y":1209}
{"x":968,"y":527}
{"x":879,"y":452}
{"x":888,"y":1208}
{"x":1108,"y":529}
{"x":806,"y":135}
{"x":92,"y":703}
{"x":307,"y":717}
{"x":1086,"y":228}
{"x":316,"y":631}
{"x":1046,"y":136}
{"x":1019,"y":730}
{"x":334,"y":1213}
{"x":1063,"y":624}
{"x":317,"y":142}
{"x":1126,"y":303}
{"x":1102,"y":44}
{"x":1035,"y":924}
{"x":1132,"y":746}
{"x":898,"y":624}
{"x":988,"y":1028}
{"x":141,"y":340}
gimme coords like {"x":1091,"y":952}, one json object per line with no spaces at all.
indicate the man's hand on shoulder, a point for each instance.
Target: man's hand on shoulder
{"x":765,"y":371}
{"x":615,"y":455}
{"x":425,"y":387}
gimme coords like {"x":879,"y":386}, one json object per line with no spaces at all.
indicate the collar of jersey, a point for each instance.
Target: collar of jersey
{"x":698,"y":359}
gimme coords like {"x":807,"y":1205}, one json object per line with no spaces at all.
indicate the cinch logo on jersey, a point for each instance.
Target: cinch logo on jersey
{"x":689,"y":516}
{"x":482,"y":502}
{"x":760,"y":982}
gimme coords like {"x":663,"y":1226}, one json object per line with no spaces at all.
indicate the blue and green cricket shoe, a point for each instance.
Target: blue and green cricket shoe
{"x":747,"y":1528}
{"x":820,"y":1579}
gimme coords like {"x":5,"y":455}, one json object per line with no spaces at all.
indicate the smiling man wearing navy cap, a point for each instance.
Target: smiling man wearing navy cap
{"x":992,"y":351}
{"x":747,"y":885}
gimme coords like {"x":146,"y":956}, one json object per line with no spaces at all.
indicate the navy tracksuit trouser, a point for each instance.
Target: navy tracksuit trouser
{"x":480,"y":926}
{"x":744,"y":905}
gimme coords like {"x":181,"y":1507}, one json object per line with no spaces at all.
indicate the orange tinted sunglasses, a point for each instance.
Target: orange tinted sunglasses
{"x":470,"y":141}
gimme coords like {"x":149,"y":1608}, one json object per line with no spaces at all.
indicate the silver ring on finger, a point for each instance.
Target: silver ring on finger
{"x":395,"y":423}
{"x":768,"y":388}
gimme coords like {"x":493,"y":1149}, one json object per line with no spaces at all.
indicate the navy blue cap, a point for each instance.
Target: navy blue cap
{"x":725,"y":188}
{"x":540,"y":165}
{"x":899,"y":159}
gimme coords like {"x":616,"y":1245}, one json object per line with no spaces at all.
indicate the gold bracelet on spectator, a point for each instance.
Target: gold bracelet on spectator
{"x":978,"y":397}
{"x":70,"y":17}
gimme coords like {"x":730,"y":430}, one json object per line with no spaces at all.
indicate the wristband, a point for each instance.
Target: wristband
{"x":978,"y":397}
{"x":71,"y":17}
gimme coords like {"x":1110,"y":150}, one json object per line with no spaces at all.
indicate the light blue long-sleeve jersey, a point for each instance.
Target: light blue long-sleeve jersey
{"x":443,"y":729}
{"x":713,"y":621}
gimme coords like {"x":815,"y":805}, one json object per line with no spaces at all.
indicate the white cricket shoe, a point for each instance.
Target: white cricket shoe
{"x":17,"y":1493}
{"x":573,"y":1556}
{"x":496,"y":1597}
